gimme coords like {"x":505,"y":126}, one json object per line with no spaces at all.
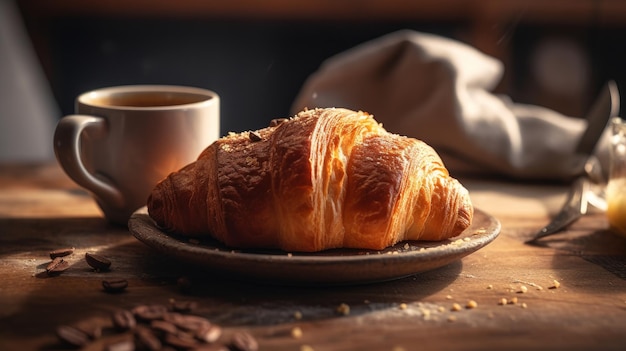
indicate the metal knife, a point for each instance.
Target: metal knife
{"x":575,"y":206}
{"x":605,"y":107}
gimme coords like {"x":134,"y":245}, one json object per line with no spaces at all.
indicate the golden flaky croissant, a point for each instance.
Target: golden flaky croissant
{"x":326,"y":178}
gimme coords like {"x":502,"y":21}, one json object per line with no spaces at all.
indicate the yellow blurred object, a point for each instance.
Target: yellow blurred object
{"x":616,"y":205}
{"x":616,"y":188}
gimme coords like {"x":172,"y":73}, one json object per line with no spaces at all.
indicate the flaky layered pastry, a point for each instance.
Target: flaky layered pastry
{"x":326,"y":178}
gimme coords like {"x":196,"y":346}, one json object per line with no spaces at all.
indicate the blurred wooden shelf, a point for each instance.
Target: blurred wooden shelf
{"x":488,"y":25}
{"x":486,"y":20}
{"x":603,"y":12}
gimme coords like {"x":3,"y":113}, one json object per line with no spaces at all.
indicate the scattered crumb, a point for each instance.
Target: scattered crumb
{"x":523,"y":289}
{"x":306,"y":348}
{"x":289,"y":254}
{"x":502,"y":301}
{"x":489,"y":287}
{"x":524,"y":305}
{"x":296,"y":333}
{"x":407,"y":246}
{"x":297,"y":315}
{"x":451,"y":318}
{"x":403,"y":306}
{"x":455,"y":307}
{"x":513,"y":301}
{"x":343,"y":309}
{"x":555,"y":284}
{"x":471,"y":304}
{"x":441,"y":309}
{"x":457,"y":242}
{"x":366,"y":301}
{"x":534,"y":285}
{"x":398,"y":348}
{"x":448,"y":297}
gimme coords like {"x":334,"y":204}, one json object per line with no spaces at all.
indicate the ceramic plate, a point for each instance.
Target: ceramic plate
{"x":331,"y":267}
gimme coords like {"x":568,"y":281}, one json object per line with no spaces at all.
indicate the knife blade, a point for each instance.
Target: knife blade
{"x":575,"y":207}
{"x":605,"y":107}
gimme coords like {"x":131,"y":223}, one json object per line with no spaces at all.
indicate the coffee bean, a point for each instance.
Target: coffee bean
{"x":243,"y":341}
{"x":181,"y":341}
{"x":115,"y":285}
{"x":163,"y":326}
{"x":57,"y":266}
{"x":72,"y":336}
{"x":122,"y":345}
{"x":149,"y":312}
{"x":93,"y":329}
{"x":157,"y":327}
{"x":124,"y":320}
{"x":183,"y":306}
{"x":277,"y":122}
{"x":146,"y":338}
{"x":213,"y":347}
{"x":209,"y":333}
{"x":97,"y":262}
{"x":186,"y":322}
{"x":61,"y":252}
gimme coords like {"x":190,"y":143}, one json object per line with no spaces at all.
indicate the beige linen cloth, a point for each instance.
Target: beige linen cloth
{"x":438,"y":90}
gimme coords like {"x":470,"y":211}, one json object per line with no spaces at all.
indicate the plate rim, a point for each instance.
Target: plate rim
{"x":220,"y":258}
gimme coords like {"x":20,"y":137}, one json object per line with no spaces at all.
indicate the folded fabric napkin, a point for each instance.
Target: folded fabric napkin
{"x":439,"y":90}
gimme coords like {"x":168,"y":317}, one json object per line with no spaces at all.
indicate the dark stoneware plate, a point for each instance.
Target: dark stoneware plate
{"x":331,"y":267}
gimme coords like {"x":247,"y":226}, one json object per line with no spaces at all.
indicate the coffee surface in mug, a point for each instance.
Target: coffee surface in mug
{"x":147,"y":99}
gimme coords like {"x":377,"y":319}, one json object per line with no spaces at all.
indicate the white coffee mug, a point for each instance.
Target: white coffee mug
{"x":123,"y":140}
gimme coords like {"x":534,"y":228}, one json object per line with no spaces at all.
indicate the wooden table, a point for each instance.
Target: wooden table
{"x":42,"y":210}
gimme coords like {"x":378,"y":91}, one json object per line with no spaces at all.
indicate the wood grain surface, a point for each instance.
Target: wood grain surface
{"x":42,"y":210}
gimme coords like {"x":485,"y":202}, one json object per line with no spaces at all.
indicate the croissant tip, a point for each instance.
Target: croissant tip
{"x":155,"y":206}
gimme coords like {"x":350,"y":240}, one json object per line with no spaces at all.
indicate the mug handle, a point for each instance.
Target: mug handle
{"x":67,"y":148}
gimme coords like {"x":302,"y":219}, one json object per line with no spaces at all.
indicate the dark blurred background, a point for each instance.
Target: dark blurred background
{"x":257,"y":54}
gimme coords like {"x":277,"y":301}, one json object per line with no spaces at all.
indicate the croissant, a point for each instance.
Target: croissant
{"x":326,"y":178}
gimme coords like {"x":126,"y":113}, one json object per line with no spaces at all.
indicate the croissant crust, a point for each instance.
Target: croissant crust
{"x":326,"y":178}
